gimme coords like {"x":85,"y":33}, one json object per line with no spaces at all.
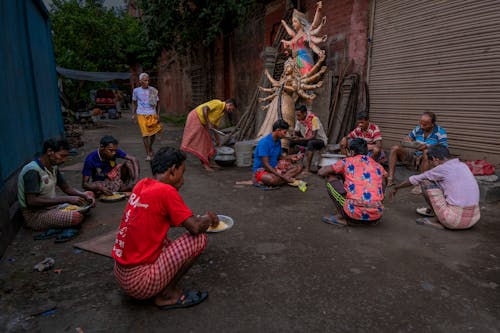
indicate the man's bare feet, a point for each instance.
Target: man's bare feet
{"x":215,"y":166}
{"x":170,"y":297}
{"x":390,"y":181}
{"x":207,"y":167}
{"x":303,"y":174}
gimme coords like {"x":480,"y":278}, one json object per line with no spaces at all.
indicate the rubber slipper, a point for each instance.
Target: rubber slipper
{"x":426,"y":222}
{"x":416,"y":190}
{"x":187,"y":299}
{"x":67,"y":235}
{"x":264,"y":187}
{"x":424,"y":211}
{"x":50,"y":233}
{"x":331,"y":219}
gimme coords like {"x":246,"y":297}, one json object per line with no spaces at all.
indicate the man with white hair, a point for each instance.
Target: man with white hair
{"x":145,"y":109}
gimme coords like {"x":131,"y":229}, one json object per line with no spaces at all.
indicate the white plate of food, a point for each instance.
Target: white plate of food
{"x":225,"y":222}
{"x":66,"y":207}
{"x":116,"y":196}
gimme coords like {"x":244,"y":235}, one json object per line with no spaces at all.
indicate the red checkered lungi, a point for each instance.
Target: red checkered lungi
{"x":452,"y":217}
{"x":146,"y":281}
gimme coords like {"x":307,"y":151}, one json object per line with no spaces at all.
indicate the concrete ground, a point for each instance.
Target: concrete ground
{"x":279,"y":269}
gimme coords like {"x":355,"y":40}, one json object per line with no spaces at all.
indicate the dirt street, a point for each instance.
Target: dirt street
{"x":279,"y":269}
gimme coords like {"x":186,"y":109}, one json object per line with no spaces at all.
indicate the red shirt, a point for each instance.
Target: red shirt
{"x":151,"y":209}
{"x":363,"y":184}
{"x":371,"y":135}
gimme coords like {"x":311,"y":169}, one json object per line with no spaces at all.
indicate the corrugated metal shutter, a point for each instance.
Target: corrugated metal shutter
{"x":440,"y":56}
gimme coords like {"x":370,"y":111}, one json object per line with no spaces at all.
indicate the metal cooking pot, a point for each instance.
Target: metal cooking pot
{"x":225,"y":160}
{"x":329,"y":159}
{"x":224,"y":150}
{"x":225,"y":156}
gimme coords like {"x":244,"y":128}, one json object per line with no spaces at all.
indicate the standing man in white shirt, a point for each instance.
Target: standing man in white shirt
{"x":146,"y":112}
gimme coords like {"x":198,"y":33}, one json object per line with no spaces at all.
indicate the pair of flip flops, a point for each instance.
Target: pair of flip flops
{"x":331,"y":219}
{"x":187,"y":299}
{"x":60,"y":235}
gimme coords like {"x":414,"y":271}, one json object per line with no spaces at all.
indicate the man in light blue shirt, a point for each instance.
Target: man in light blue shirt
{"x":427,"y":133}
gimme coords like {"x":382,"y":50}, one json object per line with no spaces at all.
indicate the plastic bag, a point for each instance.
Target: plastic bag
{"x":480,"y":168}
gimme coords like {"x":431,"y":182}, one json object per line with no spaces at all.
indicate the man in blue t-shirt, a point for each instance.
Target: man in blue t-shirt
{"x":102,"y":174}
{"x":269,"y":167}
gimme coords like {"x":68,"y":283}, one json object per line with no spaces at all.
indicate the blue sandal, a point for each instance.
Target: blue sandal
{"x":50,"y":233}
{"x":331,"y":219}
{"x":187,"y":299}
{"x":67,"y":235}
{"x":264,"y":187}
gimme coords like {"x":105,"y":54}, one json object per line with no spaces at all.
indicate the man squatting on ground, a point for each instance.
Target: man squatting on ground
{"x":449,"y":188}
{"x":359,"y":198}
{"x":372,"y":135}
{"x":147,"y":263}
{"x":270,"y":167}
{"x":37,"y":190}
{"x":309,"y":133}
{"x":145,"y":109}
{"x":101,"y":174}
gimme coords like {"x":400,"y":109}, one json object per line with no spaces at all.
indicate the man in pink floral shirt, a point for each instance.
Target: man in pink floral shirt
{"x":359,"y":198}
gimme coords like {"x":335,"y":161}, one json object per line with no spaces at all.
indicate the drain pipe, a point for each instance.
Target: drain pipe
{"x":370,"y":41}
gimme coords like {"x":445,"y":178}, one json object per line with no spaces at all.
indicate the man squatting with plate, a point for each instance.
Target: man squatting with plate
{"x":147,"y":263}
{"x":37,"y":190}
{"x":101,"y":173}
{"x":270,"y":166}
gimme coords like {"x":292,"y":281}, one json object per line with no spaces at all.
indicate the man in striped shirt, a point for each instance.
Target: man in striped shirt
{"x":370,"y":133}
{"x":427,"y":133}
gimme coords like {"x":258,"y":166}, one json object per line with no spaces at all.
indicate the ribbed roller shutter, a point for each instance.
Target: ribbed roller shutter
{"x":440,"y":56}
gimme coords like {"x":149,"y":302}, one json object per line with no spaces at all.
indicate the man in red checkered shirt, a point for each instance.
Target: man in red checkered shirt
{"x":370,"y":133}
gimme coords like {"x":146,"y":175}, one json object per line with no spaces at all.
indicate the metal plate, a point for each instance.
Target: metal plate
{"x":228,"y":221}
{"x":82,"y":209}
{"x":113,"y":199}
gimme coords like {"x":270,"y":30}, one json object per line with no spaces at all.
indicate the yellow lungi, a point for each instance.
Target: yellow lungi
{"x":149,"y":125}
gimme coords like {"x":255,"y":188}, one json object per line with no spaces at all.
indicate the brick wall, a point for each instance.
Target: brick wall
{"x":235,"y":64}
{"x":347,"y":30}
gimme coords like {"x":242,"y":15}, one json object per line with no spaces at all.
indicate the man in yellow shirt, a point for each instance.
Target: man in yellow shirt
{"x":196,"y":138}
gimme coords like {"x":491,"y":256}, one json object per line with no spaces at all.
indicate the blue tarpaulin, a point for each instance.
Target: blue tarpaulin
{"x":92,"y":76}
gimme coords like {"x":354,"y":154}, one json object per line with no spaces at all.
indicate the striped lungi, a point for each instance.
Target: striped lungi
{"x":146,"y":281}
{"x":196,"y":139}
{"x":452,"y":217}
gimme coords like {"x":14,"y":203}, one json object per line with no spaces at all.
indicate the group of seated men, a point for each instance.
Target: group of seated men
{"x":148,"y":265}
{"x":356,"y":184}
{"x":101,"y":175}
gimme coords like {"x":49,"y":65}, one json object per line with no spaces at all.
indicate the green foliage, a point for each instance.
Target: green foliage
{"x":179,"y":25}
{"x":89,"y":37}
{"x":176,"y":120}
